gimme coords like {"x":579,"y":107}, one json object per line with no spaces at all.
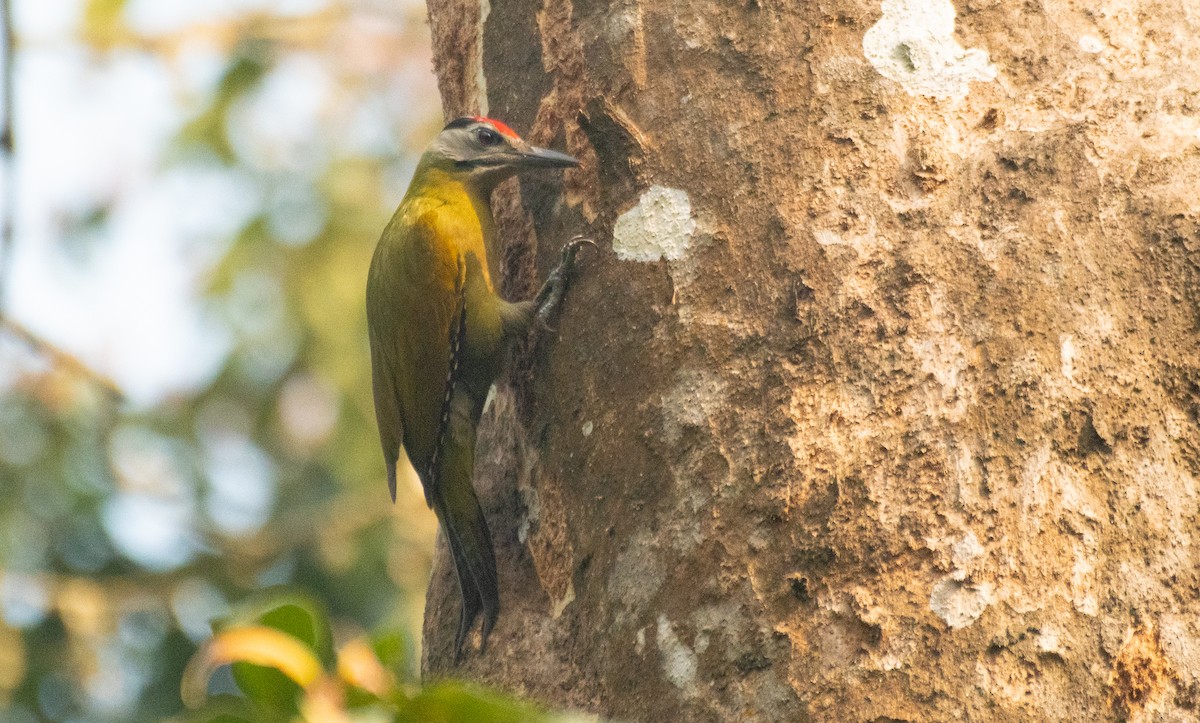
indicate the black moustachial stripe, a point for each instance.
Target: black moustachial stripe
{"x":484,"y":162}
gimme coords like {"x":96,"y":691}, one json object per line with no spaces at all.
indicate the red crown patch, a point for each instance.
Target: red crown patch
{"x":498,"y":125}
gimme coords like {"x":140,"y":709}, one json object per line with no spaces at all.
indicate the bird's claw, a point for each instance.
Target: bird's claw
{"x":571,"y":248}
{"x":555,"y":287}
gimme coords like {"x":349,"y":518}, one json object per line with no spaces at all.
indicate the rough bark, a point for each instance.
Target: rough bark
{"x":904,"y":426}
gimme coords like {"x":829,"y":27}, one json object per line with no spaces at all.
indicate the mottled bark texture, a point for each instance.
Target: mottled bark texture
{"x":880,"y":400}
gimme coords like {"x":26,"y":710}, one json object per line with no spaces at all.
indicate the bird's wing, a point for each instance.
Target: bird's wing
{"x":458,"y":331}
{"x":387,"y":409}
{"x":412,"y":295}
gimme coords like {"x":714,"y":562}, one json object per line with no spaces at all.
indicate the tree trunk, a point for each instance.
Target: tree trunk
{"x":880,"y":400}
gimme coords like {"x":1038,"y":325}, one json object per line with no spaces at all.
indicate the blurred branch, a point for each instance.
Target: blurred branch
{"x":7,"y":149}
{"x":59,"y":357}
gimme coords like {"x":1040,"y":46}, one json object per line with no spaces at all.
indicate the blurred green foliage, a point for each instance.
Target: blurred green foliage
{"x":124,"y":532}
{"x":283,"y":663}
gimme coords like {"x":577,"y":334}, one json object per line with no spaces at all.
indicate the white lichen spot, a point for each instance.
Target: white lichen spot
{"x":533,"y":512}
{"x":660,"y":226}
{"x":481,"y":93}
{"x":967,"y":474}
{"x":963,"y":555}
{"x":913,"y":44}
{"x":1047,"y":641}
{"x":1091,"y":44}
{"x":1067,"y":355}
{"x":958,"y":603}
{"x":825,"y":237}
{"x":639,"y":643}
{"x":679,"y":662}
{"x":587,"y":429}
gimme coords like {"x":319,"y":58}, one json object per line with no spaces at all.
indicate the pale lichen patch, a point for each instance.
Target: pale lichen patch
{"x":660,"y":226}
{"x":913,"y":44}
{"x":1067,"y":355}
{"x":959,"y":604}
{"x":1048,"y":641}
{"x":965,"y":554}
{"x":636,"y":576}
{"x":1034,"y":493}
{"x":1091,"y":44}
{"x":942,"y":356}
{"x":1180,"y":639}
{"x":679,"y":662}
{"x":697,"y":397}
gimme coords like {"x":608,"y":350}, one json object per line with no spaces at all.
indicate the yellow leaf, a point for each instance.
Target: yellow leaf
{"x":324,"y":703}
{"x":358,"y":666}
{"x":254,"y":644}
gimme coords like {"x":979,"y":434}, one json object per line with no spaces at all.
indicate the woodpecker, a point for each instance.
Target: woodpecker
{"x":439,"y":332}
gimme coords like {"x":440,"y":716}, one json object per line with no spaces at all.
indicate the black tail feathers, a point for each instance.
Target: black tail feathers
{"x":474,"y":562}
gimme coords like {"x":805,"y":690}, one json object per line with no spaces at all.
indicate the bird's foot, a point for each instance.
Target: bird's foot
{"x":551,"y":295}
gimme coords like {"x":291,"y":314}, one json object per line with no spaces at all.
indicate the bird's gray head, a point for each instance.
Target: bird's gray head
{"x":485,"y":149}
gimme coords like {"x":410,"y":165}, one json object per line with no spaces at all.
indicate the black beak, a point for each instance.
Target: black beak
{"x":545,"y":158}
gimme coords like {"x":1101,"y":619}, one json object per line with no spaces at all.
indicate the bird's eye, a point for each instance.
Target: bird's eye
{"x":487,"y":136}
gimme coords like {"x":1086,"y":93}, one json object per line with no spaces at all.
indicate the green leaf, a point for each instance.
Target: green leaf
{"x":290,"y":612}
{"x":396,"y":654}
{"x":262,"y":651}
{"x":452,"y":702}
{"x":297,"y":615}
